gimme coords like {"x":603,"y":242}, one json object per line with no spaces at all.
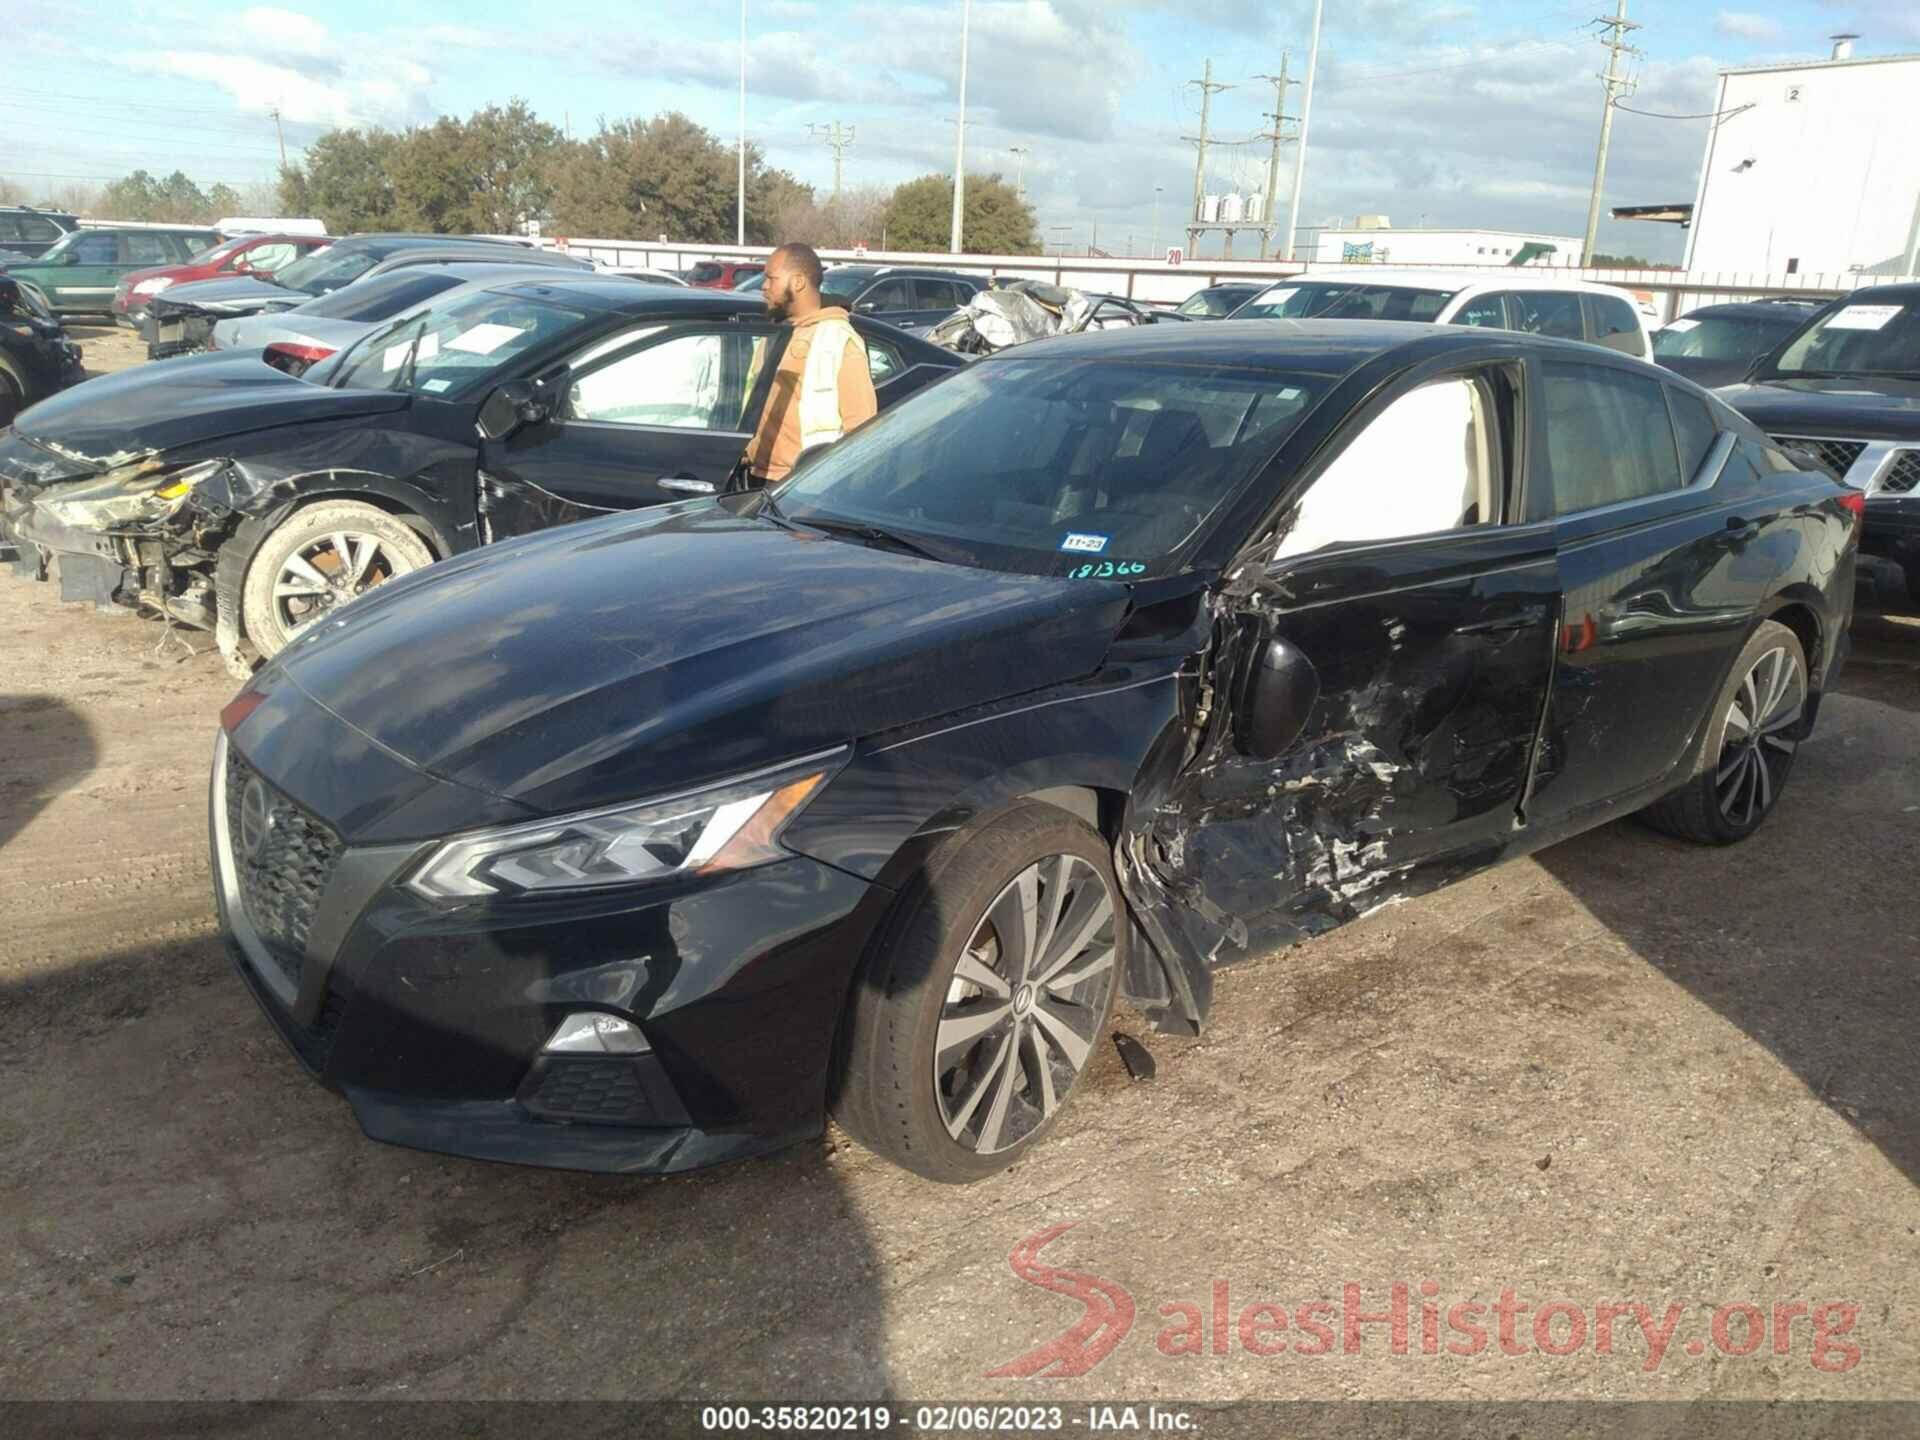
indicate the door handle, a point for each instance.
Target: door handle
{"x":686,"y":485}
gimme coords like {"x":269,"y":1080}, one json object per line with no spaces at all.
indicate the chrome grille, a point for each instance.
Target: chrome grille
{"x":1903,"y":474}
{"x":294,"y":854}
{"x":1837,"y":455}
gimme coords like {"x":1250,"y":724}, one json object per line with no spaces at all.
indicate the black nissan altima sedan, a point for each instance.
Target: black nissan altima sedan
{"x":649,"y":842}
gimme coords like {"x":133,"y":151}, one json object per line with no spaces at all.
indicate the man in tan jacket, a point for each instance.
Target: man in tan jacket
{"x":822,"y":387}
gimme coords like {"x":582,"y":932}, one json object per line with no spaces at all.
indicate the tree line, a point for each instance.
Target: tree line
{"x":503,"y":168}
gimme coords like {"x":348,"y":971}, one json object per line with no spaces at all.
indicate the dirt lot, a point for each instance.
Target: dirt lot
{"x":1630,"y":1070}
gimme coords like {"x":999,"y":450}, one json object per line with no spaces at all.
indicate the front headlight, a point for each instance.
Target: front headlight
{"x":730,"y":826}
{"x":153,"y":286}
{"x":146,"y":496}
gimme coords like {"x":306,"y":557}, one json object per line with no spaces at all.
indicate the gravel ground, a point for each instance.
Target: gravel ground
{"x":1628,"y":1070}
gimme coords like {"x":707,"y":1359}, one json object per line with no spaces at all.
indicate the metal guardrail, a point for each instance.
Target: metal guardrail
{"x":1664,"y":293}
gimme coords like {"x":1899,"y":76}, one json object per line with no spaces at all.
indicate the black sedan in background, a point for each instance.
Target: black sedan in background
{"x":1845,"y":389}
{"x":1717,"y":344}
{"x":36,"y":357}
{"x":643,"y":843}
{"x":229,"y":495}
{"x":905,"y":297}
{"x":1216,"y":302}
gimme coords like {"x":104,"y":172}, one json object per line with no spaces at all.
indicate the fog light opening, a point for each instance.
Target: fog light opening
{"x":588,"y":1032}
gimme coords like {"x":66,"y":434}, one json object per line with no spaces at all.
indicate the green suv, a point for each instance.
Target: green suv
{"x":78,"y":274}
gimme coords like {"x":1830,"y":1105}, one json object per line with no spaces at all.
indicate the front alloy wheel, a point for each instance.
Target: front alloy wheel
{"x":984,"y":997}
{"x":1024,"y":1007}
{"x":319,"y":559}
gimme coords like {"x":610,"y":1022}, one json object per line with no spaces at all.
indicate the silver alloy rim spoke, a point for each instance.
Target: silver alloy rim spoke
{"x":1040,"y":960}
{"x":976,"y":971}
{"x":965,"y":1029}
{"x":1760,"y":720}
{"x":965,"y":1113}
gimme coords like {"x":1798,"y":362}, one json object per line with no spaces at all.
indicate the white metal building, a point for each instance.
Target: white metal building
{"x":1812,"y":167}
{"x":1376,"y":242}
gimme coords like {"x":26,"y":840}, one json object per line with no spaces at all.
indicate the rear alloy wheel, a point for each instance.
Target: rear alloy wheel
{"x":986,"y":997}
{"x":1757,"y":730}
{"x":319,"y":559}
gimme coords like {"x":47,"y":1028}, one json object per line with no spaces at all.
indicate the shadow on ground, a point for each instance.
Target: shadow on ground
{"x":52,"y":749}
{"x":1770,"y":935}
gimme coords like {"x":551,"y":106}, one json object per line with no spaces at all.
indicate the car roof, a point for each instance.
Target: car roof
{"x":1515,"y":277}
{"x":1317,"y":346}
{"x":149,"y":230}
{"x":617,"y":294}
{"x":1884,"y":295}
{"x":1791,"y":313}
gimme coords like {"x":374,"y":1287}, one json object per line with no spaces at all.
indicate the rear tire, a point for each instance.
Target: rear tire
{"x":1751,"y":756}
{"x":317,"y":560}
{"x":961,"y":1045}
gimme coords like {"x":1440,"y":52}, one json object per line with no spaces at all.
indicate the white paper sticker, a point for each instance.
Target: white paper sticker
{"x":483,"y":339}
{"x":434,"y":387}
{"x":1278,"y":297}
{"x":429,"y":347}
{"x":394,"y":356}
{"x":1863,"y":317}
{"x":1680,"y":327}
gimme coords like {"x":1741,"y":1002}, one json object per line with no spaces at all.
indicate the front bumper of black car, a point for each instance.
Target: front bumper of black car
{"x":433,"y":1022}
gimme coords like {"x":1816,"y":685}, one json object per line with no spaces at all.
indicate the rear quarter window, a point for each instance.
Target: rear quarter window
{"x":1609,"y":439}
{"x":1614,"y":324}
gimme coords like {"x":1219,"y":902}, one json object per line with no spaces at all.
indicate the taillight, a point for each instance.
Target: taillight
{"x":1855,"y":501}
{"x":294,"y":358}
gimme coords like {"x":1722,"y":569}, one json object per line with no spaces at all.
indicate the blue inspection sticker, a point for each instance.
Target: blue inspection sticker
{"x":1084,"y":544}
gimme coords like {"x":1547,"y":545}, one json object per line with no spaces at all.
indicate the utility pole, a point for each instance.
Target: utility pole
{"x":1154,"y":245}
{"x":960,"y":135}
{"x":281,"y":135}
{"x":1019,"y":153}
{"x":838,"y":141}
{"x":740,"y":215}
{"x":1207,"y":91}
{"x":1276,"y":135}
{"x":1617,"y":29}
{"x":1300,"y":148}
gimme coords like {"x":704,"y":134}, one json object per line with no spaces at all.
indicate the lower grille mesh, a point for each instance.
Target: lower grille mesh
{"x":1904,"y":474}
{"x":1837,"y":455}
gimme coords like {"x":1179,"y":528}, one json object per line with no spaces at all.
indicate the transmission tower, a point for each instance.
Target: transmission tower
{"x":1207,"y":91}
{"x":1615,"y":28}
{"x":836,"y":138}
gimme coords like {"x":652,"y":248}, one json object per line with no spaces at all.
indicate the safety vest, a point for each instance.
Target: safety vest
{"x":829,"y":341}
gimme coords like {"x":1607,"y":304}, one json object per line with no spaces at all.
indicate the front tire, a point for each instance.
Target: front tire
{"x":985,"y":997}
{"x":318,"y":559}
{"x":1757,"y":728}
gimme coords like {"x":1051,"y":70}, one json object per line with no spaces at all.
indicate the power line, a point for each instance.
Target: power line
{"x":1703,"y":115}
{"x":1617,"y":28}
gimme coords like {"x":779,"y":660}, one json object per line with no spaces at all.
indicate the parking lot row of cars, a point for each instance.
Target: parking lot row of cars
{"x":591,"y":809}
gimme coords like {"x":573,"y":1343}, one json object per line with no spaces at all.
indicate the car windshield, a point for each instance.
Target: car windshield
{"x":1084,"y":468}
{"x":1344,"y":300}
{"x":453,"y":348}
{"x":1860,"y":337}
{"x":845,"y":283}
{"x":384,"y":296}
{"x":215,"y":252}
{"x":326,"y":270}
{"x":704,"y":272}
{"x":1211,"y":302}
{"x":1722,"y":337}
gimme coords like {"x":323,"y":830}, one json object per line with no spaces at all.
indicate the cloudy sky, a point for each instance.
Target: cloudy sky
{"x":1455,"y":112}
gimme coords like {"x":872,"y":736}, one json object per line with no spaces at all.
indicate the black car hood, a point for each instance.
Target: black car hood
{"x":643,"y":653}
{"x":1705,"y":372}
{"x":1854,"y":408}
{"x":185,"y":401}
{"x":241,"y":295}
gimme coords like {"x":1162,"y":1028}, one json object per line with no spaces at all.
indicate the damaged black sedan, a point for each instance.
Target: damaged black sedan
{"x":231,"y":496}
{"x":647,"y":842}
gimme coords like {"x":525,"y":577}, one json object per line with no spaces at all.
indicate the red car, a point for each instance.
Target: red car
{"x":722,"y":274}
{"x":243,"y":255}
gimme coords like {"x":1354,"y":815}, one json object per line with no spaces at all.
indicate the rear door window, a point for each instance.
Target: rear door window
{"x":1609,"y":439}
{"x":1487,"y":311}
{"x":96,"y":250}
{"x":149,"y":250}
{"x":1548,"y":312}
{"x":1612,"y":322}
{"x":1694,"y":431}
{"x":891,"y":294}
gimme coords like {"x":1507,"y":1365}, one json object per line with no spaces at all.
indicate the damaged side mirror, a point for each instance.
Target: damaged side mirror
{"x":1276,"y":700}
{"x":514,"y":405}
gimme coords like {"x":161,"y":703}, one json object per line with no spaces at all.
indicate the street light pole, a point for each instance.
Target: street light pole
{"x":740,"y":213}
{"x":1300,"y":149}
{"x":960,"y":134}
{"x":1154,"y":249}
